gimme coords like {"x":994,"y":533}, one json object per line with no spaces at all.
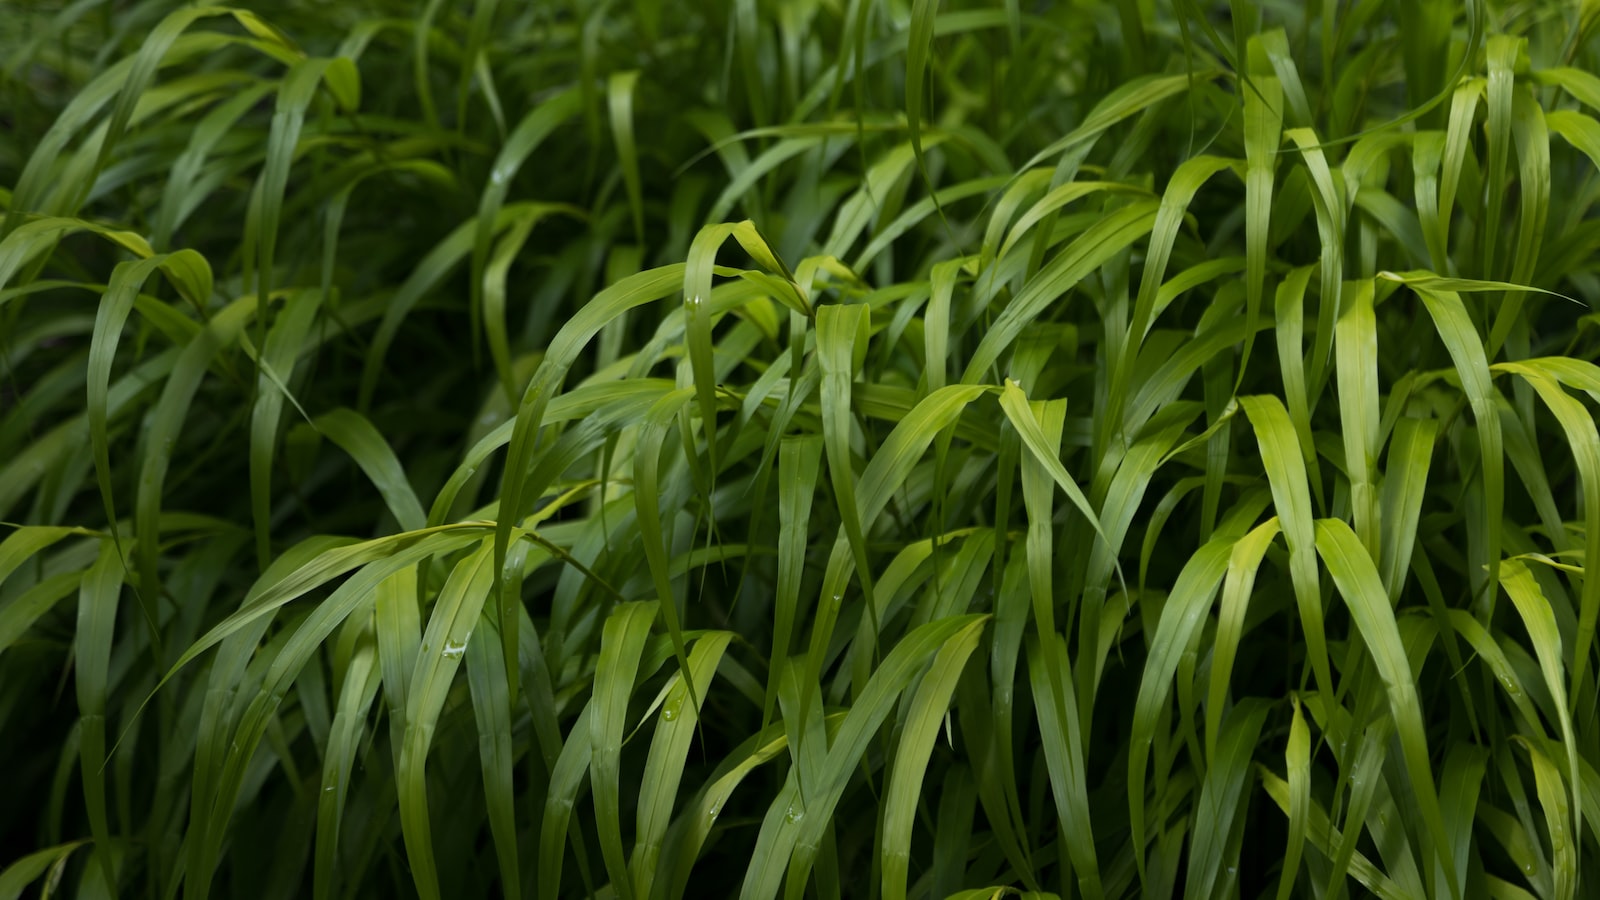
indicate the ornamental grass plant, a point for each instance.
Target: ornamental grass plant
{"x":819,"y":448}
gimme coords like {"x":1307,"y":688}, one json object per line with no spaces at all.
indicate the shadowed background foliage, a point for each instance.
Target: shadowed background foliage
{"x":837,"y":448}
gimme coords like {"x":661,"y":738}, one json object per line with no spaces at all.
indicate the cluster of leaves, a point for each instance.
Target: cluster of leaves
{"x":853,"y":447}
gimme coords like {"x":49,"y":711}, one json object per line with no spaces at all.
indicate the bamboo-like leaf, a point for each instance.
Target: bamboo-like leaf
{"x":24,"y":871}
{"x":355,"y":696}
{"x":1540,"y":621}
{"x":295,"y":93}
{"x":1584,"y":441}
{"x":1472,"y":365}
{"x":795,"y":823}
{"x":97,"y":618}
{"x":166,"y":420}
{"x":664,"y":767}
{"x":798,"y":464}
{"x":1243,"y":562}
{"x":1292,"y":499}
{"x":626,"y":630}
{"x":1191,"y":597}
{"x":926,"y":713}
{"x":1186,"y":181}
{"x":1298,"y":791}
{"x":863,"y":218}
{"x":491,"y":706}
{"x":1557,"y":815}
{"x":357,"y":437}
{"x":1323,"y":835}
{"x":278,"y":357}
{"x":620,"y":92}
{"x":1071,"y":266}
{"x":1225,"y":778}
{"x":1356,"y":577}
{"x":1014,"y":402}
{"x":1356,"y":346}
{"x":1055,"y":695}
{"x":115,"y":307}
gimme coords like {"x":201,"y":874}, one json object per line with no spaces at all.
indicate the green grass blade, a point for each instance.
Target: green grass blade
{"x":620,"y":90}
{"x":1190,"y":599}
{"x":1356,"y":577}
{"x":1292,"y":499}
{"x":24,"y":871}
{"x":919,"y":731}
{"x":625,"y":632}
{"x":664,"y":768}
{"x":1055,"y":696}
{"x":355,"y":434}
{"x":793,"y":822}
{"x":278,"y":355}
{"x":355,"y":698}
{"x":1226,"y":777}
{"x":1584,"y":440}
{"x":97,"y":619}
{"x":1537,"y":617}
{"x":799,"y":461}
{"x":1356,"y":346}
{"x":1244,"y":560}
{"x":1472,"y":365}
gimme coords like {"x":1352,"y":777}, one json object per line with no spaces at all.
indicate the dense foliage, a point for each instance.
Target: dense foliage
{"x":833,"y":447}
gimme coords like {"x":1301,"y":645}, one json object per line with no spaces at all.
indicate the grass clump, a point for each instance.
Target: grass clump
{"x":854,"y":448}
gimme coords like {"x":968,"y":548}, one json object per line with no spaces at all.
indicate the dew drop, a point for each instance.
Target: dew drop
{"x":453,"y":650}
{"x":714,"y":811}
{"x":328,"y":789}
{"x":793,"y":816}
{"x":670,"y":711}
